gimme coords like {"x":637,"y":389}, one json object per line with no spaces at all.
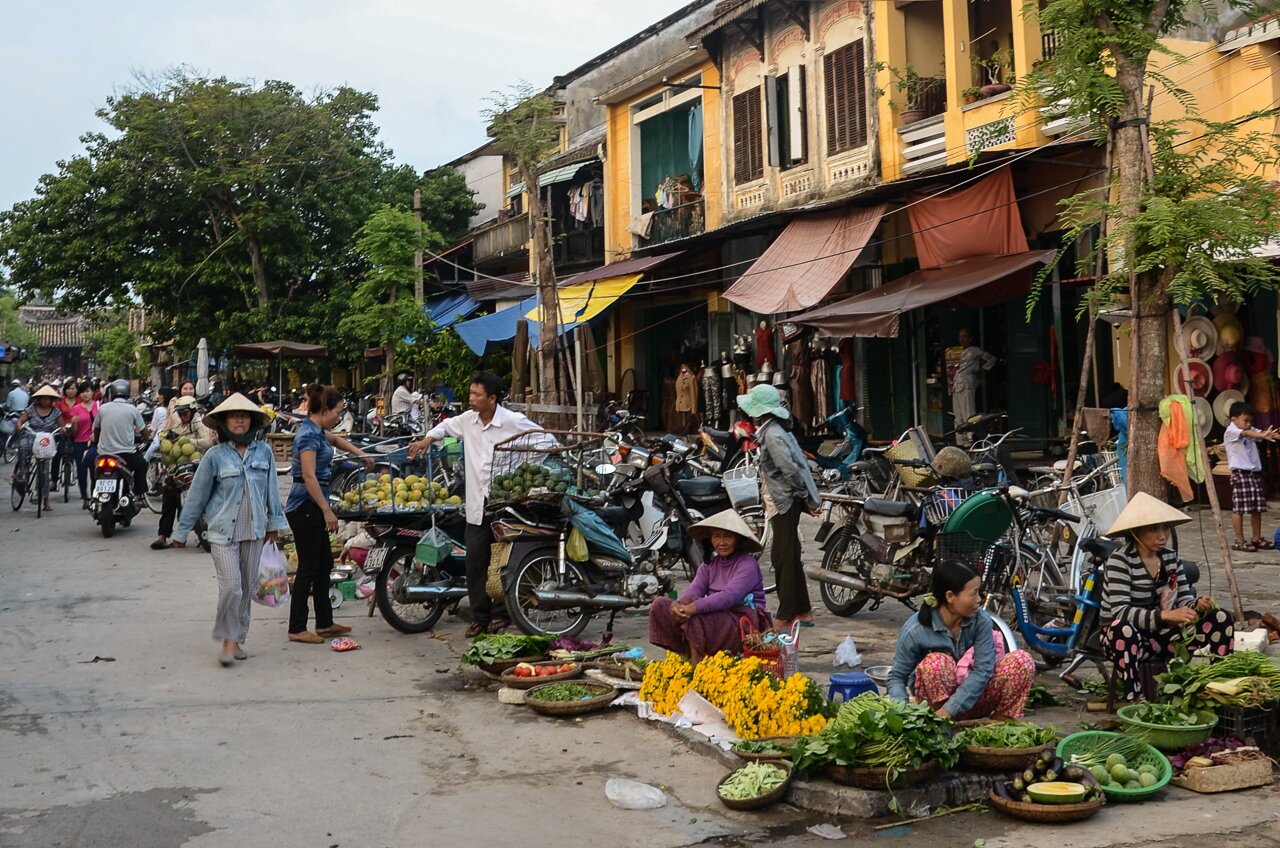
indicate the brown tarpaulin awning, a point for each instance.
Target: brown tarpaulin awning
{"x":625,"y":268}
{"x":981,"y":220}
{"x":970,"y":283}
{"x":806,"y":262}
{"x":273,"y":350}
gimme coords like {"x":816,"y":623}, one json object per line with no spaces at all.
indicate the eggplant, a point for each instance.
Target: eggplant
{"x":1002,"y":789}
{"x":1026,"y":799}
{"x":1050,"y":776}
{"x":1073,"y":774}
{"x":1029,"y":776}
{"x":1019,"y":784}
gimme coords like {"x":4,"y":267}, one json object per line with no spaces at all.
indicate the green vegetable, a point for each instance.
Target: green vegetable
{"x":566,"y":691}
{"x":752,"y":781}
{"x":1166,"y":715}
{"x":1184,"y":684}
{"x":746,"y":746}
{"x":485,"y":649}
{"x":1009,"y":734}
{"x":1041,"y":697}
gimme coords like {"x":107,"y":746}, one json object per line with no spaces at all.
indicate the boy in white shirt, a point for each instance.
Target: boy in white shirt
{"x":1248,"y":492}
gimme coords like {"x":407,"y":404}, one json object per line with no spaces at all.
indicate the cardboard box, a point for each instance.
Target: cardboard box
{"x":1225,"y":778}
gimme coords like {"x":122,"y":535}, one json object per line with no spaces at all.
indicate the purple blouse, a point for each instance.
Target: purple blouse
{"x":721,"y":584}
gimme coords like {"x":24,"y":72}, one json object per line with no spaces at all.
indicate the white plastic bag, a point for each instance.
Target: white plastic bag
{"x":273,"y":578}
{"x":633,"y":795}
{"x":847,"y":653}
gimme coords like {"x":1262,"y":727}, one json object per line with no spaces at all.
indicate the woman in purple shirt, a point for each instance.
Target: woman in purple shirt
{"x":705,"y":619}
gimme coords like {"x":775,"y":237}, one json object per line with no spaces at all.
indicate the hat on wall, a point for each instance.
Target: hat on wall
{"x":1222,"y":405}
{"x":730,"y":521}
{"x":1230,"y":333}
{"x":1143,"y":511}
{"x":1229,"y":373}
{"x":1201,"y":336}
{"x":1257,"y":358}
{"x":1200,"y":381}
{"x":1204,"y":415}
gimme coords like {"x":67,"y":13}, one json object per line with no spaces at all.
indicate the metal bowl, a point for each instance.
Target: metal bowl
{"x":879,"y":674}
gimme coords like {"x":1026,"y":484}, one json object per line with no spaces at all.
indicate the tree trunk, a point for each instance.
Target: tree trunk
{"x":548,"y":328}
{"x":259,"y":273}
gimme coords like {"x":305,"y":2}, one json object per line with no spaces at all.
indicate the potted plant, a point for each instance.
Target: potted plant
{"x":972,"y":94}
{"x":917,"y":89}
{"x":996,"y":70}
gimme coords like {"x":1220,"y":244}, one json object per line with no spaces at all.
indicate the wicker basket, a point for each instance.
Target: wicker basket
{"x":761,"y":801}
{"x":1046,"y":813}
{"x":877,"y":778}
{"x":1001,"y":759}
{"x":499,"y":666}
{"x":572,"y":708}
{"x":509,"y":678}
{"x":498,"y":554}
{"x":780,"y":741}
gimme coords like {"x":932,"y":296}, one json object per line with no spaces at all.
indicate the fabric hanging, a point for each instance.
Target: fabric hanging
{"x":801,"y":387}
{"x":821,"y":391}
{"x":981,"y":220}
{"x":695,"y":147}
{"x":711,"y":394}
{"x":848,"y":377}
{"x":1175,"y":436}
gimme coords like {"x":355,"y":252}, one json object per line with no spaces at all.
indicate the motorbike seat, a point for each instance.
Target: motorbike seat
{"x":718,"y":436}
{"x":615,"y":515}
{"x":890,"y":509}
{"x":1099,"y":547}
{"x":700,"y":487}
{"x":860,"y":467}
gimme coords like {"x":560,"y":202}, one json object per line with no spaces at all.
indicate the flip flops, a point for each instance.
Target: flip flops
{"x":344,"y":643}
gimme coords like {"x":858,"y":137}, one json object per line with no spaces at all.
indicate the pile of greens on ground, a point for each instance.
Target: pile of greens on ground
{"x":1241,"y":679}
{"x":873,"y":731}
{"x":764,"y":746}
{"x":1009,"y":735}
{"x":567,"y":692}
{"x":752,"y":781}
{"x":486,"y":649}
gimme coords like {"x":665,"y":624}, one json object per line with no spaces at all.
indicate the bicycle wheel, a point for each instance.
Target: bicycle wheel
{"x":155,"y":497}
{"x":41,"y":483}
{"x":18,"y":489}
{"x":68,"y":461}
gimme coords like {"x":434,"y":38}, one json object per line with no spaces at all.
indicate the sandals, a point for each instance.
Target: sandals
{"x":476,"y":629}
{"x":1244,"y":547}
{"x":1263,"y":545}
{"x":498,"y":625}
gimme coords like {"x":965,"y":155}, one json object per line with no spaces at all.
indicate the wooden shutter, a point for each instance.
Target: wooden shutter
{"x":846,"y":97}
{"x":748,"y":153}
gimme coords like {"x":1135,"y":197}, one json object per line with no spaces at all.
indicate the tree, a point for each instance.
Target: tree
{"x":523,"y":124}
{"x":114,"y":346}
{"x":229,"y":208}
{"x":14,"y":332}
{"x":1188,"y":200}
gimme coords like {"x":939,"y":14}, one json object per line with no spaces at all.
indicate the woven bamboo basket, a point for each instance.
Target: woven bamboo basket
{"x":877,"y":778}
{"x":1046,"y":813}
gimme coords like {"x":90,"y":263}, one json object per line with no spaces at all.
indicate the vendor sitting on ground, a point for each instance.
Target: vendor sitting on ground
{"x":1147,"y":604}
{"x":729,"y":585}
{"x":948,"y":655}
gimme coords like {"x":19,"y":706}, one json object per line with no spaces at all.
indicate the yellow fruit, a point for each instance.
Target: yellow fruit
{"x":455,"y":500}
{"x":384,"y":478}
{"x":188,"y":449}
{"x":166,"y":445}
{"x":197,"y":456}
{"x":413,"y":479}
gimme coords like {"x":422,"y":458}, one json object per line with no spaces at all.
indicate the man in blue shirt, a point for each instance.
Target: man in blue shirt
{"x":17,"y":400}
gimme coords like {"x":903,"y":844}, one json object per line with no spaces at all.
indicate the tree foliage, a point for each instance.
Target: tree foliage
{"x":114,"y":346}
{"x":14,"y":332}
{"x":229,"y":208}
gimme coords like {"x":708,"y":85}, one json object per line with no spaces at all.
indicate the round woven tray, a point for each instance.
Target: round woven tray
{"x":1003,"y":759}
{"x":572,"y":708}
{"x":1046,"y":813}
{"x":499,"y":666}
{"x":761,"y":801}
{"x":616,"y":682}
{"x":875,"y":778}
{"x":782,"y":742}
{"x":509,"y":679}
{"x":627,"y":671}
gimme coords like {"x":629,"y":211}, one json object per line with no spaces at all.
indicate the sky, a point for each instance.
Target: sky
{"x":431,"y":63}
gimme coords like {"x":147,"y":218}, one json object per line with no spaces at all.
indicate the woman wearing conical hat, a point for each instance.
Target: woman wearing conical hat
{"x":1149,"y":611}
{"x":706,"y":618}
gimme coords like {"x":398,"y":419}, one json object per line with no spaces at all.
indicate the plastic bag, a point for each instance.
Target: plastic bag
{"x":633,"y":795}
{"x":576,"y":546}
{"x":273,"y":578}
{"x":847,"y":653}
{"x":434,"y":547}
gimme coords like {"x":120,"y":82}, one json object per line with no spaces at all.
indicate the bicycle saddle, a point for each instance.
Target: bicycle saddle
{"x":1099,"y":548}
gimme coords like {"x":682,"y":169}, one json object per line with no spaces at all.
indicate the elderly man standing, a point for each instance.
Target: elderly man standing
{"x":964,"y":386}
{"x":485,"y":425}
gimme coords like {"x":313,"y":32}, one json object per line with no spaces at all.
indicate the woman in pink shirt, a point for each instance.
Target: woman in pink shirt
{"x":81,"y":415}
{"x":705,"y":619}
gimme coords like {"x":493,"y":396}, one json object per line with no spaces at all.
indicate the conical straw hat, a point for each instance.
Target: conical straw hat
{"x":46,"y":391}
{"x":236,"y":403}
{"x":728,"y":520}
{"x":1143,"y":511}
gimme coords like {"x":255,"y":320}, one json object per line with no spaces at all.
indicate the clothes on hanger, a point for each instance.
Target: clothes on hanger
{"x":713,"y":397}
{"x":848,"y":377}
{"x":764,"y":346}
{"x":801,"y":385}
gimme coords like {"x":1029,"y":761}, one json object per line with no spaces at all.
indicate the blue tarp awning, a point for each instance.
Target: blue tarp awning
{"x":445,"y":310}
{"x":480,"y":333}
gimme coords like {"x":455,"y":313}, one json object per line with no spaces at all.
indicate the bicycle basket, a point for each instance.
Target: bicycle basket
{"x":964,"y":547}
{"x":908,"y":449}
{"x":943,"y":502}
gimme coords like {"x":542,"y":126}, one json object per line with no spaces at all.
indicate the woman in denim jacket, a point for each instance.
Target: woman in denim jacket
{"x":235,"y":490}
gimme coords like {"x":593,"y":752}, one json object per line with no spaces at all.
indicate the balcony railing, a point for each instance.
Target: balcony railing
{"x":688,"y":219}
{"x":1048,"y":44}
{"x":579,"y":247}
{"x":932,"y":96}
{"x":501,"y":238}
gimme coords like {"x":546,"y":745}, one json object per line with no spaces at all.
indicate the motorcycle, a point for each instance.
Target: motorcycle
{"x":113,"y":501}
{"x":412,"y":595}
{"x":842,"y":463}
{"x":726,"y":450}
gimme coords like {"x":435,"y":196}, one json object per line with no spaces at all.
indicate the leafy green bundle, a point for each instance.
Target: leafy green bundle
{"x":1241,"y":679}
{"x":486,"y":649}
{"x":1008,"y":735}
{"x":873,"y":731}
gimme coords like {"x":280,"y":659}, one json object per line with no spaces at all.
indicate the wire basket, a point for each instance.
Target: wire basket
{"x":980,"y":555}
{"x":396,"y":485}
{"x":1113,"y":476}
{"x":743,"y":486}
{"x":544,"y":465}
{"x":943,"y":502}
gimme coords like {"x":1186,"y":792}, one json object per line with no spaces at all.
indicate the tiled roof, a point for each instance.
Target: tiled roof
{"x":54,"y":330}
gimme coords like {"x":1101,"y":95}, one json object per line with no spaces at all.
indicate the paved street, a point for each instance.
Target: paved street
{"x":155,"y":746}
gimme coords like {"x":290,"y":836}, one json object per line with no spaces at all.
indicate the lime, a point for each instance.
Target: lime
{"x":1147,"y":779}
{"x":1116,"y":760}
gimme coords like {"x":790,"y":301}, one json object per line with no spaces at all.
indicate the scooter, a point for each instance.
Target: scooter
{"x":113,"y":501}
{"x":840,"y":464}
{"x":726,"y":450}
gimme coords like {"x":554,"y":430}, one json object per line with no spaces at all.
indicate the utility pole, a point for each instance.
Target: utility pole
{"x":418,"y":293}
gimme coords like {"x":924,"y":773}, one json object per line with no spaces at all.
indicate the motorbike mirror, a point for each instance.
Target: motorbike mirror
{"x":605,"y":469}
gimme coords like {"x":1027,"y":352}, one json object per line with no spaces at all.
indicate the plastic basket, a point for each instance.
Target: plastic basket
{"x":743,"y":486}
{"x":1259,"y":724}
{"x":1162,"y":737}
{"x":7,"y":426}
{"x":1087,"y":739}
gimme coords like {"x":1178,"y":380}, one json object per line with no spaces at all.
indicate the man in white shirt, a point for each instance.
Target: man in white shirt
{"x":479,"y":429}
{"x":402,"y":398}
{"x":964,"y":386}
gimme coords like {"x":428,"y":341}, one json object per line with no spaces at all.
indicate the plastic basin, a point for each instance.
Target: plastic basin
{"x":1163,"y":737}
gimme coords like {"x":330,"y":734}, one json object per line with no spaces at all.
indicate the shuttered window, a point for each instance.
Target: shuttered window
{"x":748,"y":133}
{"x":846,"y":98}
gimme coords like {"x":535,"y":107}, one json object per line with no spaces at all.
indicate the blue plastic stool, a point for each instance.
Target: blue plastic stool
{"x":849,"y":685}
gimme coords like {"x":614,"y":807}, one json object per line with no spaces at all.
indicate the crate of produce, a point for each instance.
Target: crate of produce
{"x":1259,"y":725}
{"x":281,"y":446}
{"x":545,"y":465}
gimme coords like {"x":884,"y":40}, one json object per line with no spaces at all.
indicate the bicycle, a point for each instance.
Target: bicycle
{"x":35,"y":477}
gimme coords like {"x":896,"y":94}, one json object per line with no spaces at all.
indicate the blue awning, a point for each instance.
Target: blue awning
{"x":487,"y":330}
{"x":448,"y":309}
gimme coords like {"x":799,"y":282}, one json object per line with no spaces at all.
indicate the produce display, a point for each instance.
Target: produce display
{"x":666,"y":682}
{"x":175,"y":453}
{"x":873,"y":731}
{"x":404,"y":494}
{"x":546,"y":670}
{"x":753,"y":780}
{"x":1167,"y":715}
{"x":530,"y":479}
{"x":767,"y":747}
{"x":486,"y":649}
{"x":1125,"y":766}
{"x":1240,"y":679}
{"x":1205,"y":750}
{"x":1051,"y":781}
{"x":1009,"y":735}
{"x":566,"y":691}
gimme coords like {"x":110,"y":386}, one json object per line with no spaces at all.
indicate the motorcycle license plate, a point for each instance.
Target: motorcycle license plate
{"x":374,"y":561}
{"x":100,"y":486}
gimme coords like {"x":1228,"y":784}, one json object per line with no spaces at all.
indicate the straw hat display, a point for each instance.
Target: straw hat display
{"x":1201,"y":378}
{"x":1230,"y":333}
{"x":1144,"y":511}
{"x":1222,"y":405}
{"x":1201,"y":336}
{"x":1229,"y":373}
{"x":728,"y":520}
{"x":46,"y":391}
{"x":1204,"y":415}
{"x":236,"y":403}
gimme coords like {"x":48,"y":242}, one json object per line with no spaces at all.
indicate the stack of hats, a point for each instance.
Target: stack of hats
{"x":1220,"y":361}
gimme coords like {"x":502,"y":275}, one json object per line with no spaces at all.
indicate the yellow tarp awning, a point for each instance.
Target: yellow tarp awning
{"x":587,"y":300}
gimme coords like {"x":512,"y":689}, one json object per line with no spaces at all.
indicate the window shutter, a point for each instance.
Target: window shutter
{"x":846,"y":97}
{"x":748,"y":155}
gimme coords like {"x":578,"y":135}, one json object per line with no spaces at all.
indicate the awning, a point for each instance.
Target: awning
{"x":587,"y":300}
{"x":483,"y":332}
{"x":621,"y":269}
{"x":280,"y":349}
{"x":806,"y":262}
{"x":448,"y":309}
{"x":968,"y":284}
{"x":556,"y":175}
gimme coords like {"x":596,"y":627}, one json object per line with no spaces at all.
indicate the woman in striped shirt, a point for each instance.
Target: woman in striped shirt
{"x":1151,"y":609}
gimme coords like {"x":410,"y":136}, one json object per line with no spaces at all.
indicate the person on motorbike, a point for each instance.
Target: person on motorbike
{"x":403,"y":399}
{"x":118,"y":425}
{"x":1148,"y":607}
{"x":42,"y":416}
{"x":83,"y":412}
{"x":948,"y":655}
{"x":187,"y":388}
{"x":236,"y":493}
{"x":486,"y":424}
{"x":160,"y":418}
{"x":17,"y":400}
{"x":183,"y":423}
{"x":788,"y":490}
{"x":729,"y":586}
